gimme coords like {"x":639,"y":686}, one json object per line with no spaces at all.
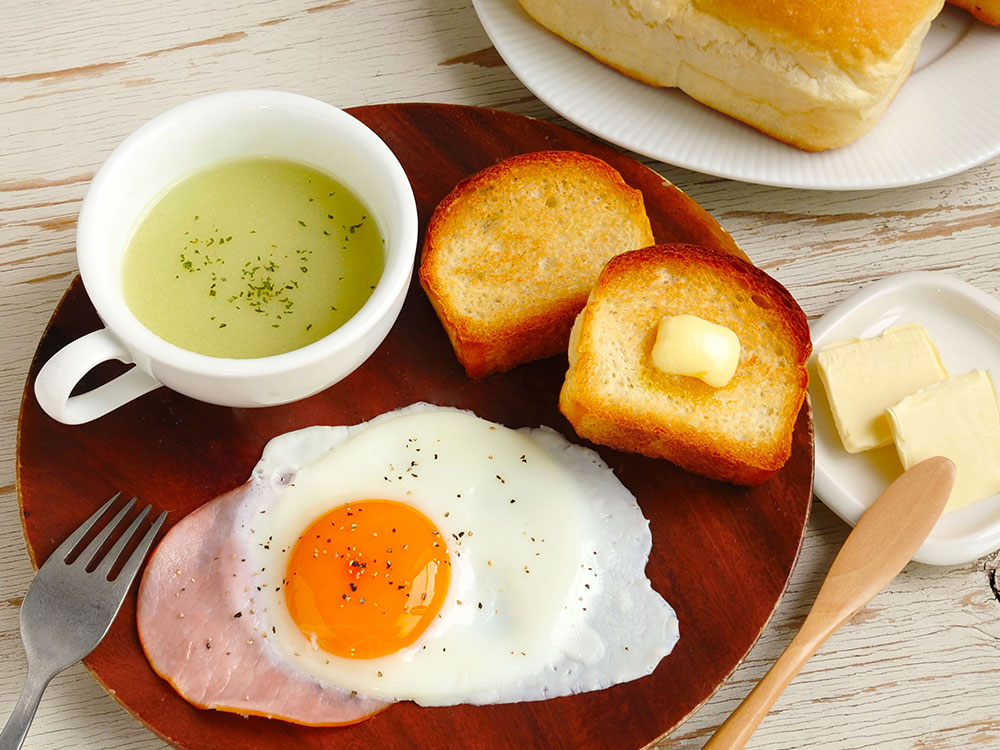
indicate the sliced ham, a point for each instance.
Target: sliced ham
{"x":200,"y":633}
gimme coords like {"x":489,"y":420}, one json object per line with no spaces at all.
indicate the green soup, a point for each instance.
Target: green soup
{"x":250,"y":258}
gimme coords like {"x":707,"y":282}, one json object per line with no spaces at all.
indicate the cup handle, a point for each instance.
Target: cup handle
{"x":63,"y":371}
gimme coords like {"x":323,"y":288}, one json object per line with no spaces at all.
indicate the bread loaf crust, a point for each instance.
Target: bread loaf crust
{"x":612,"y":395}
{"x":816,"y":74}
{"x":987,"y":11}
{"x":506,"y":272}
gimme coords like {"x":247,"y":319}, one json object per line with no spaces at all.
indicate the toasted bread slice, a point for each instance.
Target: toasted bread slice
{"x":511,"y":253}
{"x":613,"y":395}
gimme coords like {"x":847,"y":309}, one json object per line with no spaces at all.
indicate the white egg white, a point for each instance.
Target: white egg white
{"x":548,"y":594}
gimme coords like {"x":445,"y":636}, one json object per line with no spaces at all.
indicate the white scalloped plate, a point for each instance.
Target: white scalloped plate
{"x":943,"y":121}
{"x":964,"y":324}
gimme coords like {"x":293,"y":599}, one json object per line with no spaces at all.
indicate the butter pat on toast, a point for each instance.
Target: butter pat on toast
{"x":613,"y":395}
{"x":512,"y":252}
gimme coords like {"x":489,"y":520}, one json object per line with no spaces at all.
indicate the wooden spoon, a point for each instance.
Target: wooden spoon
{"x":883,"y":541}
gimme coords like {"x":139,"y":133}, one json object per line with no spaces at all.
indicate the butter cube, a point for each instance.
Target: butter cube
{"x":864,"y":377}
{"x":689,"y":345}
{"x":957,"y":418}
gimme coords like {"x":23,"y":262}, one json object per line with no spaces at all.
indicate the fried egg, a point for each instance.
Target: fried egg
{"x":426,"y":555}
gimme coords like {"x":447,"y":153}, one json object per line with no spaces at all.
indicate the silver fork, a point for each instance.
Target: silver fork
{"x":67,"y":611}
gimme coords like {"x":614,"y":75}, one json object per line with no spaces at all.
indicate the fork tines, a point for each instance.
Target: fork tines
{"x":91,"y":553}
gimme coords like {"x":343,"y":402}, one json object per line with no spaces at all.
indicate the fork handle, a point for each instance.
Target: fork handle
{"x":16,"y":728}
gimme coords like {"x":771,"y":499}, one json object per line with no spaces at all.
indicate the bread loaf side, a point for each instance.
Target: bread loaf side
{"x":814,"y":73}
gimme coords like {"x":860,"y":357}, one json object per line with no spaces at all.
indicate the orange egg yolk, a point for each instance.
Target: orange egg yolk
{"x":367,"y":578}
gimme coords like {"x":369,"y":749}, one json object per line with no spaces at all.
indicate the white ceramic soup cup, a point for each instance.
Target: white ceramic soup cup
{"x":170,"y":147}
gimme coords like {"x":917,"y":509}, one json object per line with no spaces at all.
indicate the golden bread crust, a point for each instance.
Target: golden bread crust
{"x":511,"y":253}
{"x":852,"y":32}
{"x":987,"y":11}
{"x":612,"y":395}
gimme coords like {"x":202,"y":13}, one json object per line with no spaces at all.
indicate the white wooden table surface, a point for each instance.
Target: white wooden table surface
{"x":918,"y":668}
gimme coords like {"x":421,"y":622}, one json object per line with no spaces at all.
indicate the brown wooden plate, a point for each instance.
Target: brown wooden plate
{"x":722,"y":555}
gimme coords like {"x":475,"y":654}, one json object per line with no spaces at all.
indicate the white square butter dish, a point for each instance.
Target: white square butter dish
{"x":964,"y":323}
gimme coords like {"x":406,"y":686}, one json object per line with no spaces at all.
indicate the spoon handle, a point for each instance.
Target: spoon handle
{"x":885,"y":538}
{"x":736,"y":730}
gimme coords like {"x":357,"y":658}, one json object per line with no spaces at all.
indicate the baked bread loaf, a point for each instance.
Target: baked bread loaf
{"x":511,"y":253}
{"x":613,"y":395}
{"x":814,"y":73}
{"x":987,"y":11}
